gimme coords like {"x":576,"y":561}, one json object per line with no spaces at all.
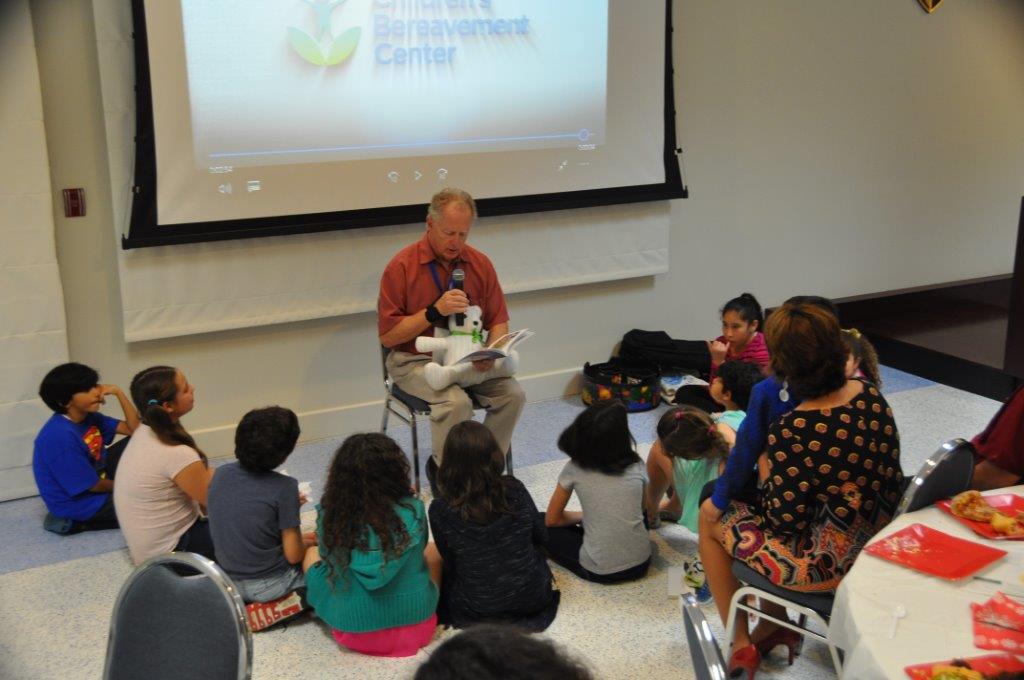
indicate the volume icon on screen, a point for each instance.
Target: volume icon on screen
{"x":225,"y":188}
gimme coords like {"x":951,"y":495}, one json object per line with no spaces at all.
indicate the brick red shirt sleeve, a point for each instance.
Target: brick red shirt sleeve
{"x":392,"y":301}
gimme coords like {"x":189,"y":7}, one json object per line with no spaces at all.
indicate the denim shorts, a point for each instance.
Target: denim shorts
{"x":271,"y":587}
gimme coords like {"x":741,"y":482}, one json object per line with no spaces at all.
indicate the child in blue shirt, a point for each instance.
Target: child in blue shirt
{"x":73,"y":469}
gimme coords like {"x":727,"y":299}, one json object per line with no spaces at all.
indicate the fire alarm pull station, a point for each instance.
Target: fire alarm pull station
{"x":74,"y":202}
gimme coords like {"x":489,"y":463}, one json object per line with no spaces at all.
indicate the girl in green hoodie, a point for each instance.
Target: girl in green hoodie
{"x":373,"y":577}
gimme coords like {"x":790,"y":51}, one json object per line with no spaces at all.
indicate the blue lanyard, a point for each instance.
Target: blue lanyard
{"x":437,"y":278}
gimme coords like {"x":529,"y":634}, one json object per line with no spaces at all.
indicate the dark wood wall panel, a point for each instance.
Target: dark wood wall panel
{"x":1014,"y":363}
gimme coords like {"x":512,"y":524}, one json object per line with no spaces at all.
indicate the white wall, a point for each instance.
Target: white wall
{"x":32,"y":329}
{"x":835,"y":148}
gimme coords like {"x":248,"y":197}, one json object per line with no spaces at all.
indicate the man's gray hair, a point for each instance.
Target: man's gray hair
{"x":447,"y":196}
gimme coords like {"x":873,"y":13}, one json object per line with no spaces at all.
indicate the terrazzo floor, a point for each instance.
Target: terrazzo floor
{"x":56,"y":593}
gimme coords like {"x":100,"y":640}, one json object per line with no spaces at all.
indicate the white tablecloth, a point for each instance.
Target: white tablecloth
{"x":937,"y":625}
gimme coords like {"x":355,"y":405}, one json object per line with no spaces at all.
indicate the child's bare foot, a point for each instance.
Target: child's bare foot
{"x":671,"y":509}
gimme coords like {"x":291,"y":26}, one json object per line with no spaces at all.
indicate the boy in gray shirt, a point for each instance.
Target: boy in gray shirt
{"x":254,"y":512}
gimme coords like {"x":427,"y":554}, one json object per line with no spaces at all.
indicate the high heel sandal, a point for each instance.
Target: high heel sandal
{"x":787,"y":637}
{"x":744,"y":659}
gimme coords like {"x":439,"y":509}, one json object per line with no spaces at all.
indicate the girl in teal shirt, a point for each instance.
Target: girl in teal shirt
{"x":373,"y":577}
{"x":690,"y":452}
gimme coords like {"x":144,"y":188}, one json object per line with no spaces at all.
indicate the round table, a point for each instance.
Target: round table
{"x":937,"y":623}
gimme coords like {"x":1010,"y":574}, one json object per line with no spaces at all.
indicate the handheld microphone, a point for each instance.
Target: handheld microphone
{"x":458,"y":281}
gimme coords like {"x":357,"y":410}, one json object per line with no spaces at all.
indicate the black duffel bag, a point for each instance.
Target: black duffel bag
{"x":634,"y":383}
{"x":667,"y":354}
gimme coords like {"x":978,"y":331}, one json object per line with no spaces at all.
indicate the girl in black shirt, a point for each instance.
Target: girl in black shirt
{"x":489,"y":533}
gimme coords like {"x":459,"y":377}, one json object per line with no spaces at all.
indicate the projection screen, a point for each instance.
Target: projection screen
{"x":263,"y":117}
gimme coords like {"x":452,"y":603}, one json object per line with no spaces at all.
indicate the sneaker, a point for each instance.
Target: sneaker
{"x":265,"y":614}
{"x":694,"y":570}
{"x":58,"y":525}
{"x":698,"y":580}
{"x":703,"y":594}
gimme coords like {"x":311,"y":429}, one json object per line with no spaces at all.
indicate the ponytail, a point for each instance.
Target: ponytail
{"x":690,"y":433}
{"x":151,"y":389}
{"x":749,"y":309}
{"x":864,"y":352}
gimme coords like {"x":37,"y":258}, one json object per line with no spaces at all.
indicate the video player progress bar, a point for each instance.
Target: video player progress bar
{"x":582,"y":135}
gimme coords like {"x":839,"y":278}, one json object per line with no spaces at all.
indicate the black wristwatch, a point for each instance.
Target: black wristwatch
{"x":433,"y":316}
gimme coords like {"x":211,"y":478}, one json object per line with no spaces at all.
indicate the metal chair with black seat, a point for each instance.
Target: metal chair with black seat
{"x":408,"y":408}
{"x":946,"y":473}
{"x":708,"y":663}
{"x":167,"y":625}
{"x":817,"y":607}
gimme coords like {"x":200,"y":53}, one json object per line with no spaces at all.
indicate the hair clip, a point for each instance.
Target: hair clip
{"x":679,"y":414}
{"x":152,"y":402}
{"x":711,"y":430}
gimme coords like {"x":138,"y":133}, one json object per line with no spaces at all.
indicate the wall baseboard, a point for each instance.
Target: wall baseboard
{"x":346,"y":419}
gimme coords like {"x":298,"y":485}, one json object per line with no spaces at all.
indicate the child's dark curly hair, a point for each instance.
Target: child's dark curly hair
{"x":368,"y":477}
{"x":738,"y":379}
{"x":265,"y":437}
{"x":488,"y":651}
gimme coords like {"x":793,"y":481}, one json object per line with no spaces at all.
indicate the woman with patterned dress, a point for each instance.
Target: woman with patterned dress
{"x":830,"y":479}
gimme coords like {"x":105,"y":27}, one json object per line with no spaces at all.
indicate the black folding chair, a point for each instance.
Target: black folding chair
{"x":815,"y":606}
{"x":408,"y":408}
{"x":946,"y":473}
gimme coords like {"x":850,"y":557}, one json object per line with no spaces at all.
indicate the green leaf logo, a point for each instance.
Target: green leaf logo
{"x":338,"y":49}
{"x":305,"y":46}
{"x":343,"y":46}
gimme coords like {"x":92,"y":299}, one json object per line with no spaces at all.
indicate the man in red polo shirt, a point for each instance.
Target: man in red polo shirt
{"x":416,"y":295}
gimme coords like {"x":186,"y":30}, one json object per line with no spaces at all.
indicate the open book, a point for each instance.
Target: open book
{"x":499,"y":348}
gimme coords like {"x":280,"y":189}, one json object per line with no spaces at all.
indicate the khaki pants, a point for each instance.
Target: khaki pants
{"x":503,"y":398}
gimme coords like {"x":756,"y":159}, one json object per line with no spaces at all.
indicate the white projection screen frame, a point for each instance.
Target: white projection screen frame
{"x":263,"y":117}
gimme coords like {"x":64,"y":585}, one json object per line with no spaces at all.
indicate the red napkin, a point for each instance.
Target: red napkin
{"x":999,"y":624}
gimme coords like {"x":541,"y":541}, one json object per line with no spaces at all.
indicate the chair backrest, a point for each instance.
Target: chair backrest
{"x":946,"y":473}
{"x":167,"y":624}
{"x":708,"y":663}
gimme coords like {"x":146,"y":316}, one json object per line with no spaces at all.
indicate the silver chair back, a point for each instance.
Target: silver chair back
{"x":178,"y":616}
{"x":708,"y":663}
{"x":946,"y":473}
